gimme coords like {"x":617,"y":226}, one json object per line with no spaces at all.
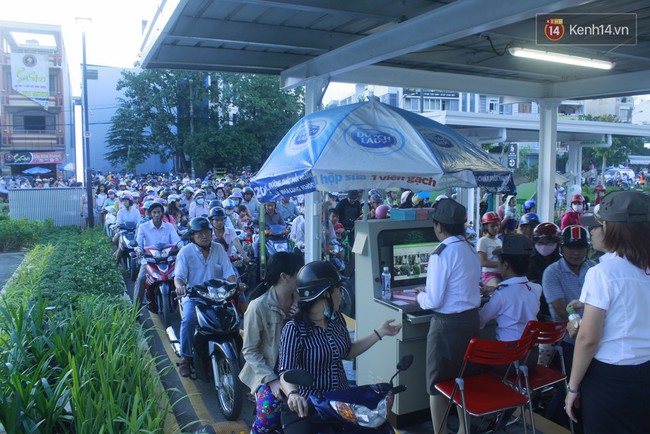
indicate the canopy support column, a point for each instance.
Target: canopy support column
{"x":547,"y":158}
{"x":315,"y":88}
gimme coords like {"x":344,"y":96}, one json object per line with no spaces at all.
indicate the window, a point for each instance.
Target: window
{"x":525,"y":107}
{"x":34,"y":123}
{"x":92,"y":74}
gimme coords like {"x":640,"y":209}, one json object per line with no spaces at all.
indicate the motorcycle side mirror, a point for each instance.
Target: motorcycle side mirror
{"x":299,"y":377}
{"x":405,"y":362}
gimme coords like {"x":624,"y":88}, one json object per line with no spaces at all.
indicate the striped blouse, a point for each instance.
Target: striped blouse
{"x":318,"y":351}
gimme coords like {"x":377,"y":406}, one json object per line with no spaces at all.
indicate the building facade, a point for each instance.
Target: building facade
{"x":37,"y":136}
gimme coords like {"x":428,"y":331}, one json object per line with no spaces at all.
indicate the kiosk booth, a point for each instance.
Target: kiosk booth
{"x":404,"y":247}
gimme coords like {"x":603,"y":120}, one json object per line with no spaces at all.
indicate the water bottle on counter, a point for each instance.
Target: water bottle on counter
{"x":386,"y":294}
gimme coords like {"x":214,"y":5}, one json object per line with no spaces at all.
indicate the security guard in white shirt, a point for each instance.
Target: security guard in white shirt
{"x":452,"y":292}
{"x":516,"y":300}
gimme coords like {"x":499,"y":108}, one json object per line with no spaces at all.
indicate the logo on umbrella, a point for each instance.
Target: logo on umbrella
{"x":374,"y":140}
{"x":304,"y":134}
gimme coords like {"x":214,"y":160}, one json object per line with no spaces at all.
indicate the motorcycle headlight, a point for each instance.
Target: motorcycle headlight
{"x":219,"y":293}
{"x":360,"y":414}
{"x":165,"y":252}
{"x":155,"y":253}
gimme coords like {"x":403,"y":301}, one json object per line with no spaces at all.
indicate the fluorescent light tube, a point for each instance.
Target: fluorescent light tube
{"x":560,"y":58}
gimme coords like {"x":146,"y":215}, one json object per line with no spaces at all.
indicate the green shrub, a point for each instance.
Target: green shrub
{"x":71,"y":353}
{"x":18,"y":234}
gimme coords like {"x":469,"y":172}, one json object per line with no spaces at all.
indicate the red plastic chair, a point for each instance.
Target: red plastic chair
{"x":485,"y":394}
{"x":541,"y":377}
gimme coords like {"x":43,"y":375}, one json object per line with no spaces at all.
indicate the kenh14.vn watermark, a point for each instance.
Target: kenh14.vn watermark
{"x":586,"y":29}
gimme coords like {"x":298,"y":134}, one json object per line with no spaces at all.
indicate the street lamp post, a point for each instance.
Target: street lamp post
{"x":84,"y":22}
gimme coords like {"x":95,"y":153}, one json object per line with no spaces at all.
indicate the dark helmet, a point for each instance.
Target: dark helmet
{"x":530,"y":218}
{"x":315,"y":278}
{"x":214,"y":203}
{"x":248,"y":190}
{"x":546,"y":230}
{"x":155,"y":205}
{"x":198,"y":224}
{"x":575,"y":236}
{"x":217,"y":213}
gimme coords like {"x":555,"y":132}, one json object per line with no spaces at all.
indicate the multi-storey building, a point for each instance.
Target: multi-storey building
{"x":35,"y":102}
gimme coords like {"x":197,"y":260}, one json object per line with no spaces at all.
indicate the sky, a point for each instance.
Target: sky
{"x":112,"y":39}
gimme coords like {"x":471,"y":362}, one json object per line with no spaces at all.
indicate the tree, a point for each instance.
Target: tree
{"x":215,"y":119}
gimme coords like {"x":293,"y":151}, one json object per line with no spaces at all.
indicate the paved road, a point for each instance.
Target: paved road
{"x":8,"y":264}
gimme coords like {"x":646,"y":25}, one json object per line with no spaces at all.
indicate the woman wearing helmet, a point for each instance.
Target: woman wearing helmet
{"x":251,"y":202}
{"x":226,"y":236}
{"x":197,"y":262}
{"x":572,"y":216}
{"x":316,"y":339}
{"x":600,"y":193}
{"x":487,"y":244}
{"x":263,"y":321}
{"x":529,"y":206}
{"x":198,"y":207}
{"x":546,"y":237}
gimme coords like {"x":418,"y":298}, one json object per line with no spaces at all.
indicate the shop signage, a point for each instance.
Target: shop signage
{"x":430,"y":93}
{"x":47,"y":157}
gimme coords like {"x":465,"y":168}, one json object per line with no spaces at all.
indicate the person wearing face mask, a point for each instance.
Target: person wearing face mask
{"x":316,"y":340}
{"x":232,"y":220}
{"x":220,"y":193}
{"x":199,"y":207}
{"x":546,"y":237}
{"x":572,"y":216}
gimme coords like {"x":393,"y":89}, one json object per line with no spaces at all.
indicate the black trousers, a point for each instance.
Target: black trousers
{"x":614,"y":398}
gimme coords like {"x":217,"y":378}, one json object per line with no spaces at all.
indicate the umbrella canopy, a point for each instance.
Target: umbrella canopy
{"x":374,"y":145}
{"x":36,"y":170}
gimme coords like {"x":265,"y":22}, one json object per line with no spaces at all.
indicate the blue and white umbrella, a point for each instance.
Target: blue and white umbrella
{"x":374,"y":145}
{"x":37,"y":170}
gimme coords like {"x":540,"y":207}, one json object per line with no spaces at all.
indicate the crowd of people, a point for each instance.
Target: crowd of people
{"x":597,"y":263}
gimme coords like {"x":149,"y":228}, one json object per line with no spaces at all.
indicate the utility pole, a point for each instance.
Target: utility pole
{"x":192,"y":123}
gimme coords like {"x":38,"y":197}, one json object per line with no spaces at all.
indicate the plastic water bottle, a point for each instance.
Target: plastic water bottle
{"x":385,"y":285}
{"x":574,"y":319}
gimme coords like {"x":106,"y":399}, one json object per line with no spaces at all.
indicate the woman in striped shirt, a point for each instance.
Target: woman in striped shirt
{"x":316,"y":339}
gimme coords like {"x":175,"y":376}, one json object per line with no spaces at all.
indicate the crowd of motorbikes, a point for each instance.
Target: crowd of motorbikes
{"x":217,"y":341}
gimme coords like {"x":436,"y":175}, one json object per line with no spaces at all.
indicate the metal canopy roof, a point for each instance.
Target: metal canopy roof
{"x":409,"y":43}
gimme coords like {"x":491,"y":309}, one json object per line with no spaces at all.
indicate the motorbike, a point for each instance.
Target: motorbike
{"x":361,"y":409}
{"x":127,"y":246}
{"x":109,"y":220}
{"x":159,"y":283}
{"x":217,"y":342}
{"x":277,"y":239}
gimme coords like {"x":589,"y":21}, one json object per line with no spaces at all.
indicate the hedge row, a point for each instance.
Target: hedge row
{"x":72,"y":358}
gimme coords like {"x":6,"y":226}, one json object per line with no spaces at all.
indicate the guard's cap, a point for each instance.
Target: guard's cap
{"x":593,"y":220}
{"x":515,"y":244}
{"x":449,"y":211}
{"x":625,"y":206}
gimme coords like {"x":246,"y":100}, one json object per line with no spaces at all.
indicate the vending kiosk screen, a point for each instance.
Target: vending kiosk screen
{"x":406,"y":252}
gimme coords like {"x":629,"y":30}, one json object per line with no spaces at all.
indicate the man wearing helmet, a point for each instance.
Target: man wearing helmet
{"x":197,"y":262}
{"x":562,"y":282}
{"x":600,"y":193}
{"x":224,"y":235}
{"x":127,"y":214}
{"x":251,"y":202}
{"x":527,"y":223}
{"x":318,"y":333}
{"x":572,"y":216}
{"x":287,"y":209}
{"x":151,"y":233}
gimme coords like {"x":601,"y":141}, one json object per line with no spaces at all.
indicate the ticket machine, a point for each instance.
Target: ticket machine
{"x":404,"y":247}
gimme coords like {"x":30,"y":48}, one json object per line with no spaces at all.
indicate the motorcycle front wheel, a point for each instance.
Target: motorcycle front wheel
{"x":134,"y":269}
{"x":231,"y":393}
{"x":164,"y":306}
